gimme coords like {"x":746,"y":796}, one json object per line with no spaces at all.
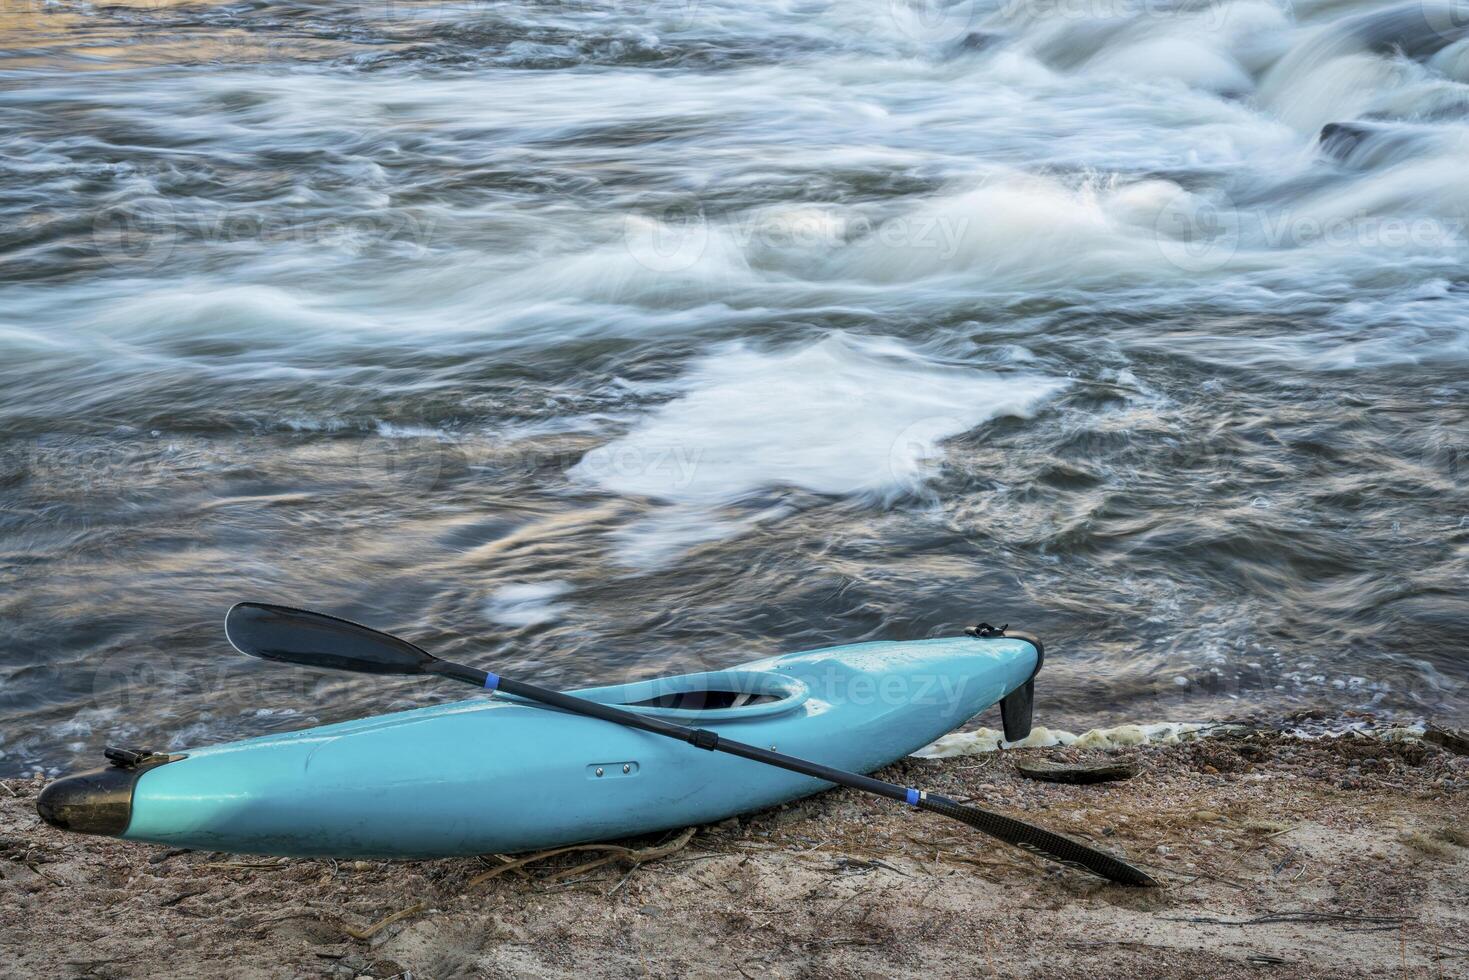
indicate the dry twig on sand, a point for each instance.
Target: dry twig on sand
{"x":620,"y":853}
{"x":381,"y":924}
{"x":1302,"y":917}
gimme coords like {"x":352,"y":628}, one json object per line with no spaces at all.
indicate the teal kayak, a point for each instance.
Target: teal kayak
{"x":496,"y":774}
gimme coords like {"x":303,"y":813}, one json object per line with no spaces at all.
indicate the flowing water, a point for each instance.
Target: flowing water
{"x":603,"y":339}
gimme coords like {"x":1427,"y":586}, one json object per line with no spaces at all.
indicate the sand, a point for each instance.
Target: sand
{"x":1281,"y":856}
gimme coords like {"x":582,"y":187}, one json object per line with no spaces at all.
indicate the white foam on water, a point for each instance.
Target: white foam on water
{"x":1327,"y":76}
{"x":241,"y":311}
{"x":393,"y":430}
{"x":1396,"y":207}
{"x":527,"y":603}
{"x":86,"y":721}
{"x":1215,"y":48}
{"x":883,"y":95}
{"x":1180,"y":59}
{"x":981,"y":740}
{"x":649,"y":261}
{"x":1016,"y":231}
{"x":844,"y":416}
{"x":849,"y":417}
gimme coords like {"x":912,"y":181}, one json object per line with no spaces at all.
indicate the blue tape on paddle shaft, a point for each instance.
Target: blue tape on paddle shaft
{"x":492,"y":681}
{"x":913,"y":795}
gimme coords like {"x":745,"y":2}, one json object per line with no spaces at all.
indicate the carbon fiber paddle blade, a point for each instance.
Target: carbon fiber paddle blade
{"x":1051,"y":846}
{"x":312,"y":639}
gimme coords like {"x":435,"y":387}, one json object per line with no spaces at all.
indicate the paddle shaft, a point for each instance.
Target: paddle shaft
{"x":1034,"y":839}
{"x":698,"y":737}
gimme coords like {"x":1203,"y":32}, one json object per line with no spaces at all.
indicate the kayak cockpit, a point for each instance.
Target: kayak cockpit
{"x":705,"y":700}
{"x":715,"y":695}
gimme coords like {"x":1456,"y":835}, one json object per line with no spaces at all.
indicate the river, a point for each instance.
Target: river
{"x":600,"y":340}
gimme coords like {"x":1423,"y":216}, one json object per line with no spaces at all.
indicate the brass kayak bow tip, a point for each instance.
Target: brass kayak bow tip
{"x":99,"y":801}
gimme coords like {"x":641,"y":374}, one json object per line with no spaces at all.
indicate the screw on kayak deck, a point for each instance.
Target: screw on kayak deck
{"x":626,"y":768}
{"x":599,"y":771}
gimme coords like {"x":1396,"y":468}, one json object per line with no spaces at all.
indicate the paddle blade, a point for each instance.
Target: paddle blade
{"x":1037,"y":840}
{"x":311,"y":639}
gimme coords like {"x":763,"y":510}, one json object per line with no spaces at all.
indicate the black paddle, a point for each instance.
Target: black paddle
{"x":310,"y":639}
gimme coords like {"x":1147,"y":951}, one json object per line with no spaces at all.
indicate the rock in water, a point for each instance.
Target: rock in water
{"x":1455,"y":740}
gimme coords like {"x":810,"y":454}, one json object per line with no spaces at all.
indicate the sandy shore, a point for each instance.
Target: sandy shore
{"x":1340,"y":857}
